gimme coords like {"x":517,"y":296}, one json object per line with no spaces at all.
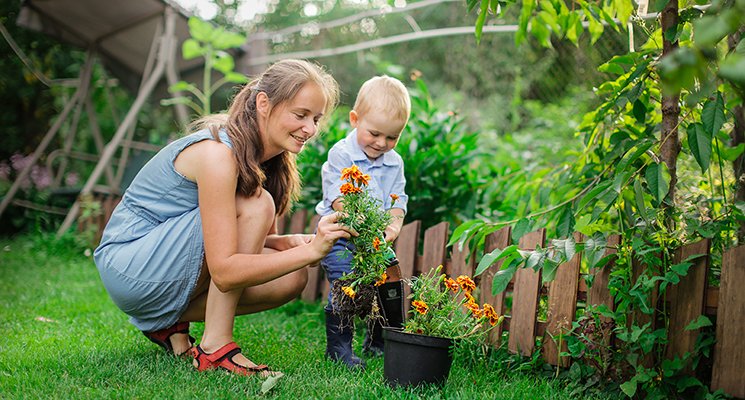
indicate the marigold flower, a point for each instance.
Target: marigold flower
{"x":490,"y":313}
{"x":474,"y":307}
{"x":362,"y":179}
{"x":376,"y":244}
{"x":420,"y":306}
{"x":466,"y":283}
{"x":349,"y":188}
{"x":348,"y":291}
{"x":452,"y":284}
{"x":394,"y":197}
{"x":350,"y":174}
{"x":382,"y":279}
{"x":469,"y":297}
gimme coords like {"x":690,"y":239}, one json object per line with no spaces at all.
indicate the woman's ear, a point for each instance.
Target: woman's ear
{"x":263,"y":105}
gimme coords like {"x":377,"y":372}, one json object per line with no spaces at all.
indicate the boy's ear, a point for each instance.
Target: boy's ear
{"x":353,"y":118}
{"x":263,"y":105}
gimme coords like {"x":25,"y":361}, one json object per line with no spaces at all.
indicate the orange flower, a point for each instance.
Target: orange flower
{"x":350,"y":174}
{"x":349,"y":188}
{"x":490,"y":313}
{"x":382,"y":279}
{"x":376,"y":244}
{"x":348,"y":291}
{"x":451,"y":284}
{"x":470,"y":298}
{"x":420,"y":306}
{"x":362,"y":179}
{"x":471,"y":305}
{"x":466,"y":283}
{"x":394,"y":197}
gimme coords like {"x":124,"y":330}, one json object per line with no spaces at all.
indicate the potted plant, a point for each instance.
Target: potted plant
{"x":443,"y":312}
{"x":356,"y":294}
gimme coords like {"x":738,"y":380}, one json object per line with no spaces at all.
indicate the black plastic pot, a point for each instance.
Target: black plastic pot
{"x":412,"y":359}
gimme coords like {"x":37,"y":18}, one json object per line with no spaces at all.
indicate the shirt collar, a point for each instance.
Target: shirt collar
{"x":357,"y":154}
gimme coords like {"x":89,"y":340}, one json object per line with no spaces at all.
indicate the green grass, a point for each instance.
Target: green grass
{"x":62,"y":337}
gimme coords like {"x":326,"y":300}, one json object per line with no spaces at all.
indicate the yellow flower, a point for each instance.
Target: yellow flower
{"x":348,"y":291}
{"x":466,"y":283}
{"x":420,"y":306}
{"x":382,"y":279}
{"x":376,"y":244}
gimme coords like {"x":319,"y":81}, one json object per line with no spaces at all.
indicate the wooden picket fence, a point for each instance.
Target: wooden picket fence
{"x":689,"y":299}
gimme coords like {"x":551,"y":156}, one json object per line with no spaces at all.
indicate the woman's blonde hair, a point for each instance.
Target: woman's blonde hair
{"x":278,"y":175}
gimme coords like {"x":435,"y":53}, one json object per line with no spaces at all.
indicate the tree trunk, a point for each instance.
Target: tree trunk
{"x":738,"y":136}
{"x":669,"y":142}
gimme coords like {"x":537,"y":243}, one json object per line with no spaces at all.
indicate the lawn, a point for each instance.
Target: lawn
{"x":63,"y":338}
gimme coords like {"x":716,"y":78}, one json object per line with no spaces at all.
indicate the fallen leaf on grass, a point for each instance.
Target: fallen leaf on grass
{"x":270,"y":382}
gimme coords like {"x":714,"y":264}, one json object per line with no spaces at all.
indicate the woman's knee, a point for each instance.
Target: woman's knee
{"x":256,"y":209}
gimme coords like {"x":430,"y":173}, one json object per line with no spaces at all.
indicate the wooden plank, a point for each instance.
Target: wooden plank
{"x":689,"y":299}
{"x":598,"y":292}
{"x":297,"y":221}
{"x":496,"y":240}
{"x":729,"y":353}
{"x":435,"y":239}
{"x":312,"y":288}
{"x":562,"y":304}
{"x":461,"y":264}
{"x":407,"y":249}
{"x":638,"y":317}
{"x":525,"y":300}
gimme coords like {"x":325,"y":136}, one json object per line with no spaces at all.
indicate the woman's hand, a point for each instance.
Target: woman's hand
{"x":328,"y":232}
{"x":286,"y":242}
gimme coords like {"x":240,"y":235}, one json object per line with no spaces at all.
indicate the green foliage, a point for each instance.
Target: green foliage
{"x":210,"y":43}
{"x":365,"y":215}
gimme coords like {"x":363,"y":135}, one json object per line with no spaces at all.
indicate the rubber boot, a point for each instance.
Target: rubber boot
{"x":339,"y":342}
{"x":391,"y":302}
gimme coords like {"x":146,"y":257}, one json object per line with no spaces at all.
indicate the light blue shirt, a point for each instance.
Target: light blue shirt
{"x":386,"y":173}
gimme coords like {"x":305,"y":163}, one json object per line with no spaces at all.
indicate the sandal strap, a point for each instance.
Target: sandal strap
{"x":223,"y":359}
{"x":227,"y":351}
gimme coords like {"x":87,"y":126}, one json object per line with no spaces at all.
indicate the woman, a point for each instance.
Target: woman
{"x":194,"y":237}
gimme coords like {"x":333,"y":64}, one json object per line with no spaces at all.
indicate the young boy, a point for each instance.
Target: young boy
{"x":380,"y":114}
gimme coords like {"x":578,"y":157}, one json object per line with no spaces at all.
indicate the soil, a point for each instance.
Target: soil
{"x":363,"y":305}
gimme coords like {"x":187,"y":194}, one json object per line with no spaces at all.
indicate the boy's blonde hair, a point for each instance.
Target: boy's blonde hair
{"x":384,"y":94}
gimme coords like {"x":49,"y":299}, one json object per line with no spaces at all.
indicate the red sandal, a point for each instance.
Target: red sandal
{"x":163,"y":337}
{"x":223,"y":359}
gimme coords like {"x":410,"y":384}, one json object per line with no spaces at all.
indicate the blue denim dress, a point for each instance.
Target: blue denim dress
{"x":152,"y":249}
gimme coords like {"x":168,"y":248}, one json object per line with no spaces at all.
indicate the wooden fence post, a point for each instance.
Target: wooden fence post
{"x":598,"y":293}
{"x":729,"y":353}
{"x":435,"y":239}
{"x":525,"y":300}
{"x":407,"y":249}
{"x":562,"y":304}
{"x":496,"y":240}
{"x":687,"y":299}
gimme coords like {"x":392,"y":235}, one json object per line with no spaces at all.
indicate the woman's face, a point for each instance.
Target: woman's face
{"x":292,"y":123}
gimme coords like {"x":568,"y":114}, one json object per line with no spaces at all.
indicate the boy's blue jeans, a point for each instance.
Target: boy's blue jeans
{"x":337,"y":263}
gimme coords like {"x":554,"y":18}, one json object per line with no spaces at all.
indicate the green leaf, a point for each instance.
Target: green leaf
{"x":522,"y":227}
{"x":699,"y":322}
{"x":489,"y":259}
{"x":525,"y":13}
{"x":223,"y":40}
{"x":541,"y":33}
{"x":731,"y":153}
{"x":191,"y":49}
{"x":639,"y":197}
{"x":592,"y":194}
{"x":595,"y":249}
{"x":566,"y":222}
{"x":733,"y":68}
{"x":181,"y":86}
{"x":629,"y":388}
{"x":713,"y":115}
{"x":549,"y":270}
{"x":699,"y":142}
{"x":235,"y":77}
{"x":270,"y":382}
{"x":658,"y":179}
{"x":639,"y":111}
{"x":596,"y":30}
{"x":535,"y":258}
{"x":481,"y":19}
{"x":223,"y":62}
{"x":463,"y":230}
{"x":502,"y":279}
{"x":710,"y":29}
{"x":200,"y":30}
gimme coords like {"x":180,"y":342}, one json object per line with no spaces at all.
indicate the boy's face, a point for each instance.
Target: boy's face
{"x":376,"y":133}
